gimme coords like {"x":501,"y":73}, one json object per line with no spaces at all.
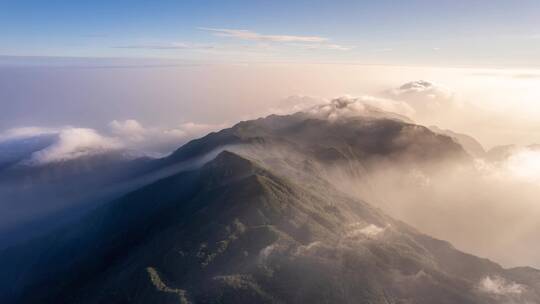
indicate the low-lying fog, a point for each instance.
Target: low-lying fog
{"x":489,"y":208}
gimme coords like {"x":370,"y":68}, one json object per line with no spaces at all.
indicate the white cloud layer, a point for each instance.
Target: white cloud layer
{"x":128,"y":136}
{"x":520,"y":164}
{"x":157,"y":140}
{"x":131,"y":135}
{"x":524,"y":164}
{"x":74,"y":143}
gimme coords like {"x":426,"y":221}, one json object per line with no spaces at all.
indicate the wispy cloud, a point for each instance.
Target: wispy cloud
{"x":383,"y":50}
{"x":25,"y":132}
{"x":307,"y":42}
{"x":261,"y":42}
{"x":250,"y":35}
{"x":327,"y":46}
{"x":170,"y":46}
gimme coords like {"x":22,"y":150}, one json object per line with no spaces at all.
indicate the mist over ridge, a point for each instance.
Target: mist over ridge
{"x":379,"y":152}
{"x":285,"y":190}
{"x":417,"y":197}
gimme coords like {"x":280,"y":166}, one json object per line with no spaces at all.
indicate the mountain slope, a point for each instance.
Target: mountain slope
{"x":263,"y":224}
{"x":471,"y":145}
{"x":233,"y":232}
{"x":34,"y":198}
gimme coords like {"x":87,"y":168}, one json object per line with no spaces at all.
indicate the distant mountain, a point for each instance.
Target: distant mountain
{"x":262,"y":222}
{"x":471,"y":145}
{"x":500,"y":153}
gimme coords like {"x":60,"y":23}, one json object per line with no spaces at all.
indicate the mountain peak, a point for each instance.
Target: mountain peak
{"x":227,"y":166}
{"x":229,"y":159}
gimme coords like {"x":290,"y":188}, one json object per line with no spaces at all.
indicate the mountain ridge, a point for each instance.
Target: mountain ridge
{"x":235,"y":171}
{"x":261,"y":222}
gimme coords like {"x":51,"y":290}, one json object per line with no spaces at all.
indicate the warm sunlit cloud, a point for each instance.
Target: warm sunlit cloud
{"x":524,"y":164}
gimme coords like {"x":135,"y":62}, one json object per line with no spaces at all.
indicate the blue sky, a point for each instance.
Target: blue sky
{"x":496,"y":33}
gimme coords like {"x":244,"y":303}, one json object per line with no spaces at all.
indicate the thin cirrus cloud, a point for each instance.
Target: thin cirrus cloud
{"x":304,"y":42}
{"x":250,"y":35}
{"x":383,"y":50}
{"x":327,"y":46}
{"x":308,"y":42}
{"x":170,"y":46}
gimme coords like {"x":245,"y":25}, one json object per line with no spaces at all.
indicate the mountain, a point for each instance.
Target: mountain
{"x":351,"y":137}
{"x":469,"y":143}
{"x":500,"y":153}
{"x":262,"y":221}
{"x":36,"y":197}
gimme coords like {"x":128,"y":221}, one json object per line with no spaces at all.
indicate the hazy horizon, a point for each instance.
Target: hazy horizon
{"x":495,"y":106}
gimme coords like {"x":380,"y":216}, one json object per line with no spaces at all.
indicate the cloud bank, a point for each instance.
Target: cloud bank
{"x":453,"y":201}
{"x":129,"y":137}
{"x":500,"y":190}
{"x":485,"y":207}
{"x":73,"y":143}
{"x":524,"y":164}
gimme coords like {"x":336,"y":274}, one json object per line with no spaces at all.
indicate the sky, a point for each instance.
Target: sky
{"x":151,"y":75}
{"x":213,"y":63}
{"x":456,"y":33}
{"x":496,"y":106}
